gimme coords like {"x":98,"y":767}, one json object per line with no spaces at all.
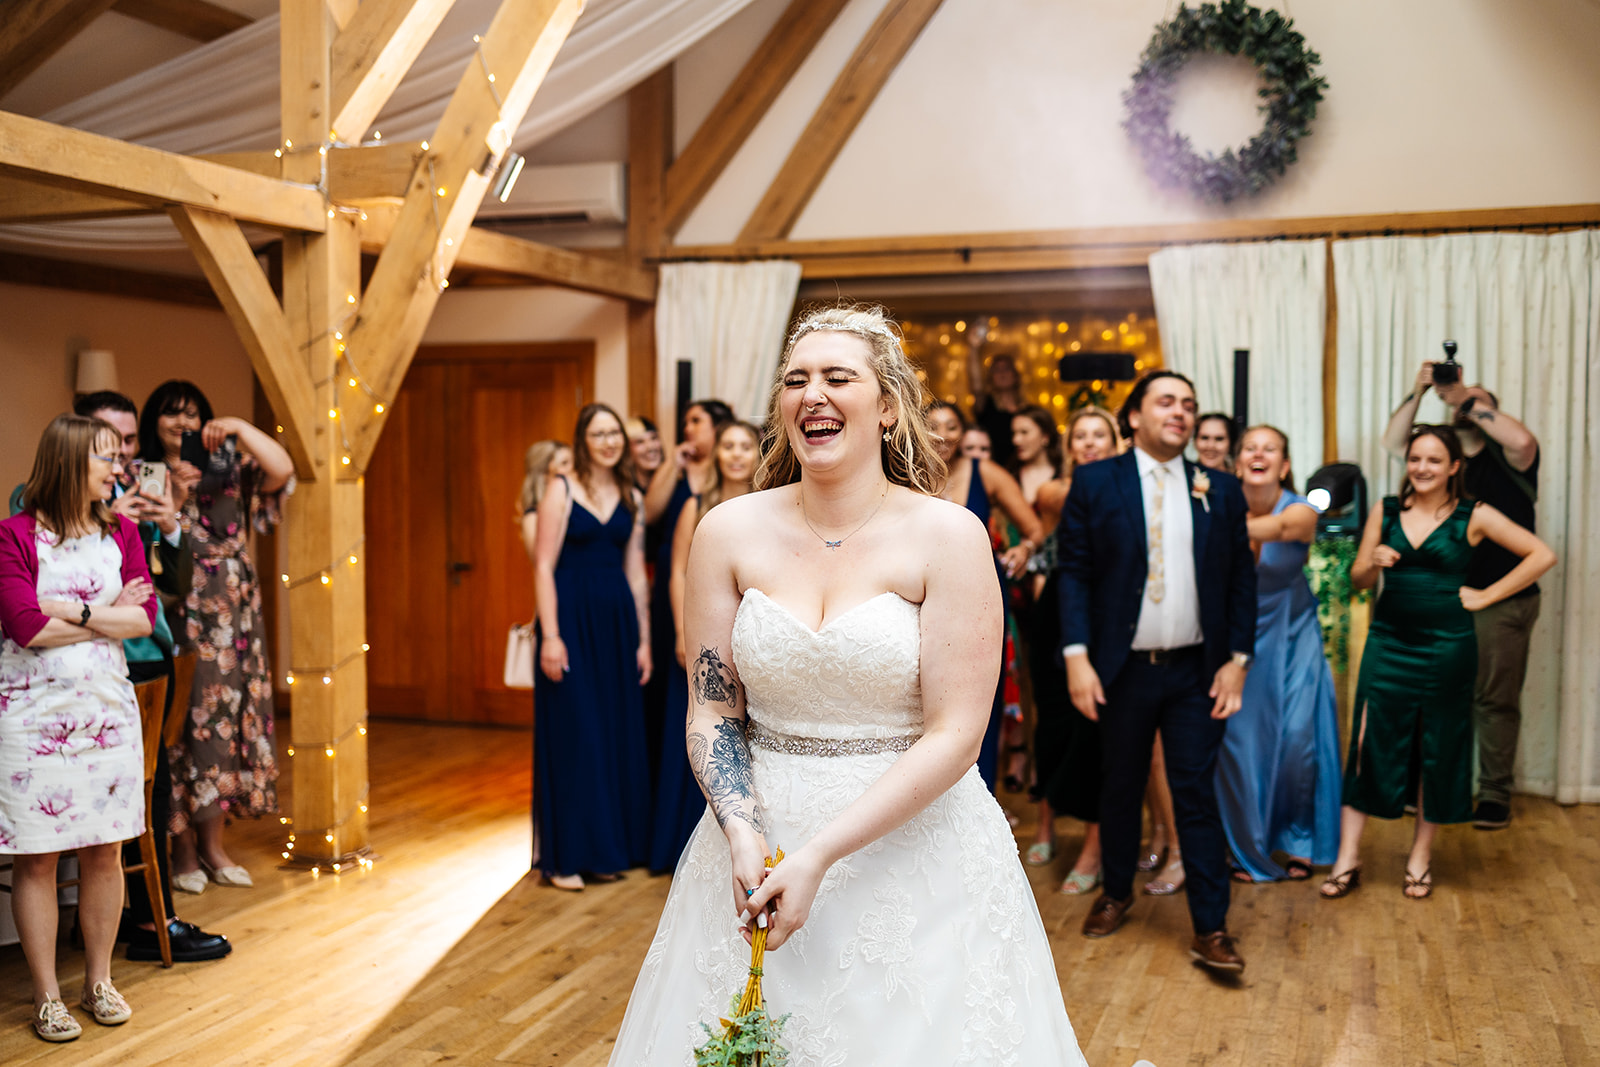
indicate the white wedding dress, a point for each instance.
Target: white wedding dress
{"x":924,"y":948}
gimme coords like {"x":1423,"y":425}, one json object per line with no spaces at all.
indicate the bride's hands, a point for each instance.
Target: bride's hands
{"x":749,"y":852}
{"x":789,"y":890}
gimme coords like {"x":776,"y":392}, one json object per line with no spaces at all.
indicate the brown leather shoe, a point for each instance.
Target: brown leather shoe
{"x":1216,"y":951}
{"x":1107,"y":914}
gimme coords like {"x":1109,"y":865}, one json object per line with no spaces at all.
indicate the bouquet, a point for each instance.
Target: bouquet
{"x":750,"y":1037}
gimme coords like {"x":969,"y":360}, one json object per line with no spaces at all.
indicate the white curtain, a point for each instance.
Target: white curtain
{"x":1525,"y":309}
{"x":223,"y":96}
{"x":1268,"y":297}
{"x":728,"y":320}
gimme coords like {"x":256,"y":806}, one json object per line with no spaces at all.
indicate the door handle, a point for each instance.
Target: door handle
{"x":457,"y":566}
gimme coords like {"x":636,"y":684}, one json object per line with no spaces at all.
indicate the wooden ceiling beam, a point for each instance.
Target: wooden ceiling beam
{"x":649,"y":151}
{"x":198,"y":20}
{"x":896,"y":28}
{"x":355,"y":175}
{"x":86,"y":162}
{"x":372,"y":54}
{"x":471,"y":138}
{"x":31,"y":31}
{"x":230,"y":265}
{"x":743,"y":105}
{"x":20,"y":269}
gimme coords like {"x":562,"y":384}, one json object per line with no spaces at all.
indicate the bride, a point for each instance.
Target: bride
{"x":844,"y":630}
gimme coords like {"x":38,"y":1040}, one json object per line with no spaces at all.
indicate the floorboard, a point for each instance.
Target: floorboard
{"x":446,"y":951}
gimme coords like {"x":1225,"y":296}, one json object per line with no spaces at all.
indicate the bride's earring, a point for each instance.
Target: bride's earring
{"x":886,"y":435}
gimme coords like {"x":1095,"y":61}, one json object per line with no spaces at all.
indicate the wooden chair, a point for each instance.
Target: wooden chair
{"x":152,"y":698}
{"x":182,"y":686}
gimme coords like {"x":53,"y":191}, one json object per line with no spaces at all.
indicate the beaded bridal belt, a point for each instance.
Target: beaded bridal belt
{"x":826,"y":746}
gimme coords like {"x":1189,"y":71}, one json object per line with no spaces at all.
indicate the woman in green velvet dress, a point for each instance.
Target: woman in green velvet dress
{"x":1412,"y":737}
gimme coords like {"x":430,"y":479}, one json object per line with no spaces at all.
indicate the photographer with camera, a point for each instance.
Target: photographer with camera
{"x":1502,"y":470}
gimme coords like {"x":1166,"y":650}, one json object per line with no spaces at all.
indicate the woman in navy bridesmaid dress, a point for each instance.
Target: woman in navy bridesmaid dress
{"x":679,"y":803}
{"x":685,"y":474}
{"x":591,"y":781}
{"x":1278,"y":769}
{"x":974,"y":483}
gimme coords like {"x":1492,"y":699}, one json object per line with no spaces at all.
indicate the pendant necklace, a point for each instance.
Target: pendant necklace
{"x":835,"y":544}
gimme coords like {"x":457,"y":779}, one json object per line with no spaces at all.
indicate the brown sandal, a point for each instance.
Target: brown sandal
{"x":1342,"y":885}
{"x":1424,"y":882}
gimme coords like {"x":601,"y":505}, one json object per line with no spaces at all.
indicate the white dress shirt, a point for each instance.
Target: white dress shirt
{"x":1174,"y":621}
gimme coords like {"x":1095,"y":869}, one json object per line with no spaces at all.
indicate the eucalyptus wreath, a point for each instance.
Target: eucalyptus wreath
{"x":1291,"y":94}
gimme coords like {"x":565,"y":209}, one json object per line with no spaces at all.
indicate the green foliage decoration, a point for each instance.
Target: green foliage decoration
{"x":1291,"y":93}
{"x":1328,"y":570}
{"x":751,"y":1039}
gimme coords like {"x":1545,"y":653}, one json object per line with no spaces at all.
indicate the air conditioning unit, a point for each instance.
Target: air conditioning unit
{"x":579,"y":192}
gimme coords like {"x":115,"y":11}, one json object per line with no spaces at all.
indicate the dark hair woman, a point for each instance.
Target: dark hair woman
{"x":591,"y":793}
{"x":1411,"y":741}
{"x":224,"y":763}
{"x":1216,"y":441}
{"x":679,"y":803}
{"x":73,"y":585}
{"x":685,"y":473}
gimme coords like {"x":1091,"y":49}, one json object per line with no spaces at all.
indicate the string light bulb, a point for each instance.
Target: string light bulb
{"x":333,"y":413}
{"x":291,"y":752}
{"x":327,"y":679}
{"x":350,"y":298}
{"x":353,"y":563}
{"x":378,"y":408}
{"x":345,"y":460}
{"x":326,"y":580}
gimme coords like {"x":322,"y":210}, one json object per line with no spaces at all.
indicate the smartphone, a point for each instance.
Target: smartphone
{"x":193,"y":451}
{"x":152,"y":480}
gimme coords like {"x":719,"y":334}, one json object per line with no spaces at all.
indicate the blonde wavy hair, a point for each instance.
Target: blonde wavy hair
{"x":1086,"y":412}
{"x":909,"y":457}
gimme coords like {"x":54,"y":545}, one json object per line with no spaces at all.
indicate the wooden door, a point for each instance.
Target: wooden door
{"x":448,"y":574}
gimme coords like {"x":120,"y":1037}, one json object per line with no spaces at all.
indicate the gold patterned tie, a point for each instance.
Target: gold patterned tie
{"x":1156,"y":588}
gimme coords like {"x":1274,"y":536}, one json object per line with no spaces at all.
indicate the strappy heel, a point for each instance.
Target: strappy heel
{"x":1343,"y":884}
{"x":1423,"y":881}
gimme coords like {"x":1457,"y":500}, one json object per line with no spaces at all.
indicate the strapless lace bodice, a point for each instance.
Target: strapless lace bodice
{"x":857,"y":677}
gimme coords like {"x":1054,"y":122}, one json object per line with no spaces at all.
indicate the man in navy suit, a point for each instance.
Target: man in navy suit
{"x":1158,"y":612}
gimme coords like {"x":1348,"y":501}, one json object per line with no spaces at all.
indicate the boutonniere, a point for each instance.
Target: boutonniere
{"x":1202,"y":487}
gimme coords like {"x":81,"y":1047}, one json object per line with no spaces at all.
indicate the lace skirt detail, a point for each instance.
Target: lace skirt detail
{"x":923,"y":947}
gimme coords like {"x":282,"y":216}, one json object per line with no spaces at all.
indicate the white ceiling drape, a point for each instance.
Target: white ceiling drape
{"x":223,"y":96}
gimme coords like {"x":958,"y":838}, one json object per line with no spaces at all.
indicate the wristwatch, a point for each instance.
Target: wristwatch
{"x":1243,"y":659}
{"x":84,"y":619}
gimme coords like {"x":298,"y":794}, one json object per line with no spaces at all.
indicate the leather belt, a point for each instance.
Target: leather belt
{"x":1157,"y":657}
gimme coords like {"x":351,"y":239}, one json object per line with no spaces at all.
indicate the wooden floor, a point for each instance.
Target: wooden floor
{"x":446,"y":952}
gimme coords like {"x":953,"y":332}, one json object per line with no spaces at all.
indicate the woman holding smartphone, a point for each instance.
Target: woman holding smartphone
{"x":225,"y":762}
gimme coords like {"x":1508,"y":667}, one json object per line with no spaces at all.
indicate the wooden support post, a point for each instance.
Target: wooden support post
{"x":327,"y":580}
{"x":1330,"y":365}
{"x":642,"y":360}
{"x":649,"y":152}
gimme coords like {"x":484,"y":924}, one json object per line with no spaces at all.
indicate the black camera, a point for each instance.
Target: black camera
{"x":1448,"y":372}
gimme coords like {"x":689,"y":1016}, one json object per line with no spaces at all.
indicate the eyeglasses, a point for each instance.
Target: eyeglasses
{"x":113,"y":460}
{"x":605,"y":435}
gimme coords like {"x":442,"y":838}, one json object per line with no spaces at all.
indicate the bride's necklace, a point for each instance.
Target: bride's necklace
{"x":835,"y":544}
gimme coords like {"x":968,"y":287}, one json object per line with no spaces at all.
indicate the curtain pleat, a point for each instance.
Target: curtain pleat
{"x":728,"y":319}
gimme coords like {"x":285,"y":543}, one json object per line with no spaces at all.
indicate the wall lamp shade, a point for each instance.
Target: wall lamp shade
{"x":97,"y":371}
{"x":1339,"y":493}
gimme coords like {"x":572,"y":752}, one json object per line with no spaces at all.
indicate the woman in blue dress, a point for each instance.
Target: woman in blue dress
{"x":974,"y":483}
{"x":591,"y":783}
{"x":679,"y":803}
{"x":686,"y":473}
{"x":1278,"y":769}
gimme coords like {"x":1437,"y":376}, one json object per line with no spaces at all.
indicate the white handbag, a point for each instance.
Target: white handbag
{"x":519,"y":657}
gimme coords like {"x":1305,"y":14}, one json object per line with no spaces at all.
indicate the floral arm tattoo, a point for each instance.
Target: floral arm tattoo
{"x":720,"y":759}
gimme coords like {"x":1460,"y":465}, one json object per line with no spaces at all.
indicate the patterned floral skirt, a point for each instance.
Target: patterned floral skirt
{"x":226,"y":754}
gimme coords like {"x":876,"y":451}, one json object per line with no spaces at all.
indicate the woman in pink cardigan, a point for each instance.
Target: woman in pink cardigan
{"x":73,"y":585}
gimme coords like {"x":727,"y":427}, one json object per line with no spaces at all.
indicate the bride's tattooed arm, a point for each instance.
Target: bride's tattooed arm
{"x":718,"y":753}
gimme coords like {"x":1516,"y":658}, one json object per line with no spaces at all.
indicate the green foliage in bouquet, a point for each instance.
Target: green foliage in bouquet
{"x":750,"y":1039}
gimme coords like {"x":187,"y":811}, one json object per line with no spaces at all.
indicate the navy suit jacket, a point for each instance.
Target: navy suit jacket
{"x":1102,"y":538}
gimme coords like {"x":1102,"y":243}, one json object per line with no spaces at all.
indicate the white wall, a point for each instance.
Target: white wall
{"x":495,"y":316}
{"x":1006,"y":116}
{"x":46,"y":328}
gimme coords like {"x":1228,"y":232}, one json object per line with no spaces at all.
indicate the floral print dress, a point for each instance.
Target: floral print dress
{"x":226,"y":754}
{"x":71,"y":751}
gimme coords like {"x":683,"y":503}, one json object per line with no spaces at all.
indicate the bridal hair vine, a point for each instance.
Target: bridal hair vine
{"x":865,"y":330}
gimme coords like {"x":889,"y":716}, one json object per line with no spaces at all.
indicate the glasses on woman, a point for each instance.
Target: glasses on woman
{"x":605,"y":435}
